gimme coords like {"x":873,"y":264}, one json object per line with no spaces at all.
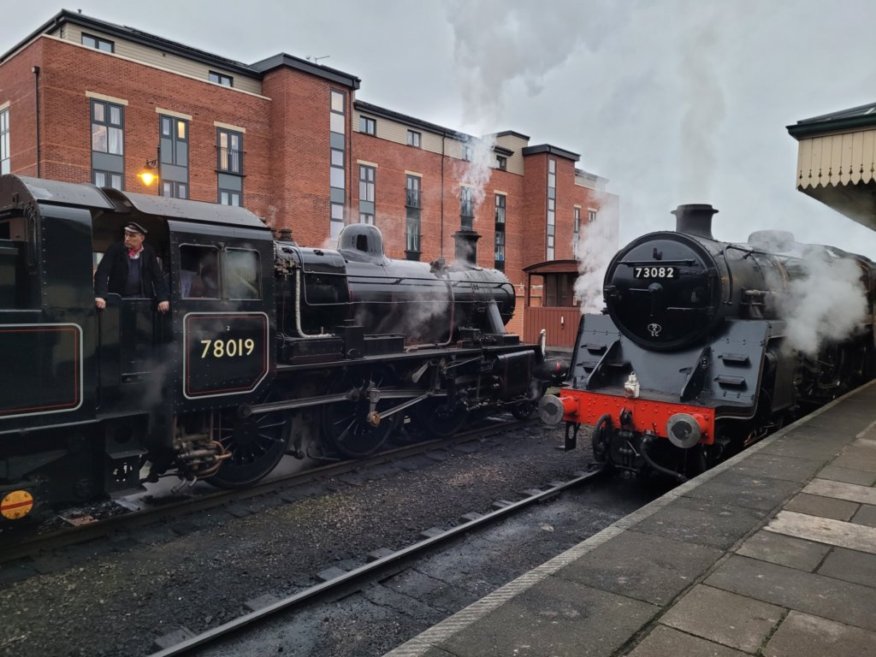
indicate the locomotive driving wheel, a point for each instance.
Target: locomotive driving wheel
{"x":440,"y":418}
{"x":349,"y":425}
{"x":255,"y":444}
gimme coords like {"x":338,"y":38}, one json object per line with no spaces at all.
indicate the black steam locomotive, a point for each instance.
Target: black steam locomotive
{"x":706,"y":346}
{"x":269,"y":348}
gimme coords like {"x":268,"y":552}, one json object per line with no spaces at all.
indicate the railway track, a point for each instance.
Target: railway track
{"x":21,"y":545}
{"x":341,"y":581}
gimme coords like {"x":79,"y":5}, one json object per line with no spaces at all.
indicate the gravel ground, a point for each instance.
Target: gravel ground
{"x":117,"y":597}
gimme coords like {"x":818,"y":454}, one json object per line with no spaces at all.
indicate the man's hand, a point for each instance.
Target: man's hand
{"x":100,"y":303}
{"x":163,"y":306}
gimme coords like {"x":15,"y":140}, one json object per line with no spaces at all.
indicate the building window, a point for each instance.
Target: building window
{"x":550,"y":250}
{"x":220,"y":78}
{"x":502,"y":162}
{"x":466,"y":208}
{"x":367,"y":125}
{"x":337,"y":219}
{"x":414,"y":138}
{"x":106,"y":179}
{"x":230,"y":145}
{"x":4,"y":141}
{"x":412,"y":217}
{"x":466,"y":153}
{"x":107,"y":144}
{"x":337,"y":161}
{"x":500,"y":233}
{"x":366,"y":183}
{"x":98,"y":43}
{"x":336,"y":120}
{"x":107,"y":128}
{"x":366,"y":218}
{"x":591,"y":216}
{"x":229,"y":197}
{"x":576,"y":224}
{"x":174,"y":149}
{"x":412,"y":192}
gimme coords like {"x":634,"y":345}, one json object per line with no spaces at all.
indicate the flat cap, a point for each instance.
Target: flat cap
{"x":134,"y":227}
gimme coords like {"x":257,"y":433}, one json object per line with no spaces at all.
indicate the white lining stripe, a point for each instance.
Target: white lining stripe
{"x":841,"y":491}
{"x":825,"y":530}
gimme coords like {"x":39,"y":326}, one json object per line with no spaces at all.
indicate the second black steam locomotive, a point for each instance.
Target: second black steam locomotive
{"x":706,"y":346}
{"x":270,"y":348}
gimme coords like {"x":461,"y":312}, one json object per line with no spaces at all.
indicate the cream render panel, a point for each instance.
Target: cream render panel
{"x":160,"y":59}
{"x":842,"y":159}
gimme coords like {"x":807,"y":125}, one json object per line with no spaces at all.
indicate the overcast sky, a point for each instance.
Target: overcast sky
{"x":673,"y":101}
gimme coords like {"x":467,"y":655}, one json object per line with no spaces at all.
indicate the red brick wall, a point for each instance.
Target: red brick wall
{"x":17,"y":87}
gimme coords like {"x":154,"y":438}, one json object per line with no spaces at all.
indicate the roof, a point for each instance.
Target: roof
{"x":551,"y":150}
{"x":853,"y":118}
{"x":368,"y":108}
{"x":256,"y":70}
{"x":54,"y":192}
{"x":553,"y":267}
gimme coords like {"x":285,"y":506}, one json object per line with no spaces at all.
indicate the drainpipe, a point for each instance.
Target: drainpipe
{"x":36,"y":88}
{"x":443,"y":143}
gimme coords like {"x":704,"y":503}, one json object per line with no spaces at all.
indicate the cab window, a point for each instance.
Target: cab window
{"x":14,"y":282}
{"x":241,"y":274}
{"x":199,"y":272}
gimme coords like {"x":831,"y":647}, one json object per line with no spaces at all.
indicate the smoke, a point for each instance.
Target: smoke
{"x":824,"y":302}
{"x":476,"y":172}
{"x":500,"y":45}
{"x":703,"y":101}
{"x":594,"y":249}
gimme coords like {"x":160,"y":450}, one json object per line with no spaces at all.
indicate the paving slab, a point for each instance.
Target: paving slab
{"x":849,"y":475}
{"x":852,"y":566}
{"x":739,"y":489}
{"x":802,"y":635}
{"x":842,"y":491}
{"x":866,"y":515}
{"x":810,"y":593}
{"x":642,"y":566}
{"x":825,"y":507}
{"x":804,"y":445}
{"x":556,"y":617}
{"x":789,"y":468}
{"x":667,"y":642}
{"x":784,"y":550}
{"x":702,"y":522}
{"x":825,"y":530}
{"x":857,"y":456}
{"x":722,"y":617}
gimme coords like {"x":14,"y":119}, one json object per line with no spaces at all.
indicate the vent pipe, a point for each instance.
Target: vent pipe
{"x":466,"y":246}
{"x":694,"y":219}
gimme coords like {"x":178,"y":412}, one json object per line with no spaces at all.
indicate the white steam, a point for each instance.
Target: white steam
{"x":594,"y":249}
{"x":825,"y":304}
{"x":475,"y":173}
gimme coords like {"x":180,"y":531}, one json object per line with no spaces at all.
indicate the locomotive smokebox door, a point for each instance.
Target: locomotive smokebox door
{"x":225,"y":353}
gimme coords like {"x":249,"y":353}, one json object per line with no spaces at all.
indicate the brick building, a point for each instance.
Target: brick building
{"x":85,"y":100}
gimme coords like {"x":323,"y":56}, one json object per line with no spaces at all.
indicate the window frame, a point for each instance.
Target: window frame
{"x":107,"y":107}
{"x":5,"y":141}
{"x":367,"y":125}
{"x":219,"y":282}
{"x":228,"y":133}
{"x":414,"y":138}
{"x":224,"y":271}
{"x":220,"y":79}
{"x":97,"y":42}
{"x":367,"y":183}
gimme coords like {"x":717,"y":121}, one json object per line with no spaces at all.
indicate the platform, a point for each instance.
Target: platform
{"x":771,"y":553}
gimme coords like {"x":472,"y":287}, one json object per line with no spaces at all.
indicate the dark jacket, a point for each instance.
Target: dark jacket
{"x":112,"y":273}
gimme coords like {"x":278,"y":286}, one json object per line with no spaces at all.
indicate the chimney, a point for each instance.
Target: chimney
{"x":694,"y":219}
{"x":466,"y":241}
